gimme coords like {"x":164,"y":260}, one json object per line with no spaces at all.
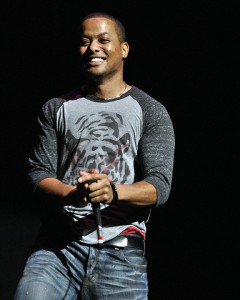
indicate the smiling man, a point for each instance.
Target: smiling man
{"x":111,"y":145}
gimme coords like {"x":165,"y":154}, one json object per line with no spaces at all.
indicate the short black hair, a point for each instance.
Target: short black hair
{"x":119,"y":25}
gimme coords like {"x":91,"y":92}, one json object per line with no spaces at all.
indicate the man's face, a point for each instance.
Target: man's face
{"x":101,"y":51}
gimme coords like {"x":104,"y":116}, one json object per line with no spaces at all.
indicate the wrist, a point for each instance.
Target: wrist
{"x":115,"y":193}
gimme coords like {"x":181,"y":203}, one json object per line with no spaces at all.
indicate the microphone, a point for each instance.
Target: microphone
{"x":98,"y":220}
{"x":96,"y":212}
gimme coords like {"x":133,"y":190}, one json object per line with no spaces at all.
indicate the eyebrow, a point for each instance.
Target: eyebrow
{"x":99,"y":35}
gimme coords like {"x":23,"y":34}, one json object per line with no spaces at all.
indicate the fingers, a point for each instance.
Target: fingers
{"x":91,"y":176}
{"x":97,"y":186}
{"x":100,"y":191}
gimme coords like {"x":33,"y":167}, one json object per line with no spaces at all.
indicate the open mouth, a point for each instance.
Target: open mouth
{"x":94,"y":61}
{"x":97,"y":59}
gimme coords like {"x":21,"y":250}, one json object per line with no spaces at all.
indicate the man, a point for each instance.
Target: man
{"x":108,"y":145}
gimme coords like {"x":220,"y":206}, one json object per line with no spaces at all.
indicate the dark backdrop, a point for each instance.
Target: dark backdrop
{"x":183,"y":53}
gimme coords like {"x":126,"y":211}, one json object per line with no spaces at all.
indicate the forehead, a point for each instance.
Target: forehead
{"x":98,"y":25}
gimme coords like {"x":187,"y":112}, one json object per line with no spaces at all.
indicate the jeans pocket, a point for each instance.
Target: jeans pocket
{"x":134,"y":257}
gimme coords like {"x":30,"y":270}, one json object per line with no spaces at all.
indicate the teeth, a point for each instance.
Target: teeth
{"x":96,"y":59}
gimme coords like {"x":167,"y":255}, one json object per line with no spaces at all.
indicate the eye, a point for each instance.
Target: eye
{"x":104,"y":40}
{"x":84,"y":42}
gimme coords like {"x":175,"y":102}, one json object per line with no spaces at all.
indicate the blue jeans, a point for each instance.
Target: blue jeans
{"x":82,"y":272}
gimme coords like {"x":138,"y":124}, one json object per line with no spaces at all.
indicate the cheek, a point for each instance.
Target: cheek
{"x":115,"y":54}
{"x":82,"y":50}
{"x":112,"y":49}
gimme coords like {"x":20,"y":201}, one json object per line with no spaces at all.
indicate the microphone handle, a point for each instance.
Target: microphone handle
{"x":98,"y":220}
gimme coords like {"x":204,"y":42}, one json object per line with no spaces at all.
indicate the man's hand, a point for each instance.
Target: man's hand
{"x":96,"y":186}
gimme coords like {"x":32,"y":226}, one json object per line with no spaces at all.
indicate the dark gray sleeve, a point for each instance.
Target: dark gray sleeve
{"x":43,"y":158}
{"x":156,"y":148}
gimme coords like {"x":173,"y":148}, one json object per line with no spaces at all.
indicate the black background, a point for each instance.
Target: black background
{"x":183,"y":53}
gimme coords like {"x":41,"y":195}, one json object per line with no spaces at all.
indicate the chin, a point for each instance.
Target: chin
{"x":94,"y":75}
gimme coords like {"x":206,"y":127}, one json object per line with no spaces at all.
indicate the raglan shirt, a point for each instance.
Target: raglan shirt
{"x":129,"y":138}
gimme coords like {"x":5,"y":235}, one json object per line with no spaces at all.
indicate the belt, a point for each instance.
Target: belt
{"x":126,"y":241}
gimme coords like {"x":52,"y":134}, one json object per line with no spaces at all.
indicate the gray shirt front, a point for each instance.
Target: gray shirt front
{"x":129,"y":138}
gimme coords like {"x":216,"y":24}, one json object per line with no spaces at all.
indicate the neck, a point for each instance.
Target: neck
{"x":106,"y":91}
{"x":120,"y":94}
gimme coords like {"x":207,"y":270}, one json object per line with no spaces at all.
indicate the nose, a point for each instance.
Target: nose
{"x":94,"y":46}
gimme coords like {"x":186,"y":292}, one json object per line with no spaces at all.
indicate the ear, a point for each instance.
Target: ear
{"x":125,"y":49}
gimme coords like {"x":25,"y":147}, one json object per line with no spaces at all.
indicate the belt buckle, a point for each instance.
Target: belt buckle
{"x":122,"y":242}
{"x":119,"y":241}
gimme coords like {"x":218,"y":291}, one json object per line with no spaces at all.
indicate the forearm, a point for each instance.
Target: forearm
{"x":56,"y":187}
{"x":139,"y":193}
